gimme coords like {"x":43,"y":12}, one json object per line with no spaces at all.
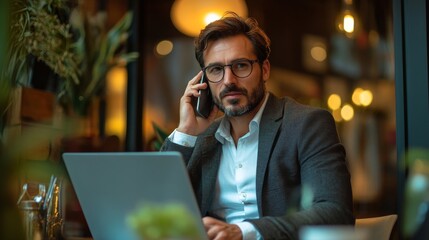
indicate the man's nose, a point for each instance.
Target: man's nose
{"x":228,"y":76}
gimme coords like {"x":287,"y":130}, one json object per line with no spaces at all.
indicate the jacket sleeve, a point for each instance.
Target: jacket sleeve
{"x":170,"y":146}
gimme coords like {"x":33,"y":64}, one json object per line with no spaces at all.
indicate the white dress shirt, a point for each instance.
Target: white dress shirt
{"x":235,"y":196}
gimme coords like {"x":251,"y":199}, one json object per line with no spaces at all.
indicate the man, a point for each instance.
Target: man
{"x":249,"y":166}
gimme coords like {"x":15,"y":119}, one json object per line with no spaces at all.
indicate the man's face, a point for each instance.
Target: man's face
{"x":233,"y":95}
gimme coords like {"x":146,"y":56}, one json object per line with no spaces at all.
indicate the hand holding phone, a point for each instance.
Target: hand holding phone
{"x":204,"y":103}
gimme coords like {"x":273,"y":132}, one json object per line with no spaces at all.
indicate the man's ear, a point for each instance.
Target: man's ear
{"x":266,"y":66}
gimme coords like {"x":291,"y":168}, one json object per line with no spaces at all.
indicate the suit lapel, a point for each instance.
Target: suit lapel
{"x":270,"y":123}
{"x":210,"y":166}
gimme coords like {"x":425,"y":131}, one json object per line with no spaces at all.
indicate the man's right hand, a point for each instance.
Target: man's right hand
{"x":190,"y":123}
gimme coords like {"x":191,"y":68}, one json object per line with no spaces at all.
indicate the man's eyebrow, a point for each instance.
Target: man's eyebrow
{"x":221,"y":64}
{"x":214,"y":64}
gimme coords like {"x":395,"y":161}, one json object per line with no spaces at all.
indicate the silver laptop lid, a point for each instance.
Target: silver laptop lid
{"x":111,"y":186}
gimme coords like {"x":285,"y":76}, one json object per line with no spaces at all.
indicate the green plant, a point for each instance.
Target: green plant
{"x":163,"y":221}
{"x":160,"y":136}
{"x":37,"y":30}
{"x":97,"y":51}
{"x":77,"y":48}
{"x":416,"y":190}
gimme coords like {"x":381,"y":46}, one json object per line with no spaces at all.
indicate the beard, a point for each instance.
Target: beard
{"x":253,"y":100}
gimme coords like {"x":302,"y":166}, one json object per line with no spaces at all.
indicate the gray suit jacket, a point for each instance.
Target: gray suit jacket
{"x":298,"y":146}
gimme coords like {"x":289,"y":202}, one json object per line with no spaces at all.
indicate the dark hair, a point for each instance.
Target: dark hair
{"x":231,"y":25}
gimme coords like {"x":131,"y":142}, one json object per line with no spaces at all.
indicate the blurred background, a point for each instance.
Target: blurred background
{"x":334,"y":54}
{"x":346,"y":70}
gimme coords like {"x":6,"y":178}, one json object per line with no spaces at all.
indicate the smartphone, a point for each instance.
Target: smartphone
{"x":204,"y":103}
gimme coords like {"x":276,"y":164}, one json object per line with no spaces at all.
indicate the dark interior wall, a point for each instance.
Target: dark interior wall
{"x":286,"y":22}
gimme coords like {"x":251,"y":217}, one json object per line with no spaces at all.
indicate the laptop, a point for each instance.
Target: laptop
{"x":111,"y":186}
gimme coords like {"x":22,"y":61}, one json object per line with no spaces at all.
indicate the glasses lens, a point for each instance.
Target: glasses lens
{"x":214,"y":73}
{"x":242,"y":68}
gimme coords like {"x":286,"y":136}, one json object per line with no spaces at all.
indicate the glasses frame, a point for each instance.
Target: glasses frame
{"x":251,"y":61}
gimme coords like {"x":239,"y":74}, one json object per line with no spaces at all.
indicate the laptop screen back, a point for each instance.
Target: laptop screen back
{"x":111,"y":186}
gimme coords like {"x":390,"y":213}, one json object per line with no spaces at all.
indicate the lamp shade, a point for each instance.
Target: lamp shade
{"x":190,"y":16}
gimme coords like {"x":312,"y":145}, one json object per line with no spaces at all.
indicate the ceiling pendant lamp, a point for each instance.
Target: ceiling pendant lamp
{"x":190,"y":16}
{"x":347,"y":21}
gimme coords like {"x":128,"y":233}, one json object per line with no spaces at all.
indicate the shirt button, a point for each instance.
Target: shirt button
{"x":240,"y":165}
{"x":243,"y":197}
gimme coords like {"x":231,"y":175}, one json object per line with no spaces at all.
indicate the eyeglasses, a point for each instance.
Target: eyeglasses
{"x":240,"y":68}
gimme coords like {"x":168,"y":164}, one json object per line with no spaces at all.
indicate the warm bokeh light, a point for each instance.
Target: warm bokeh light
{"x":365,"y":98}
{"x":164,"y":47}
{"x":211,"y":17}
{"x":115,"y":126}
{"x":347,"y":112}
{"x":116,"y":80}
{"x":347,"y":20}
{"x":190,"y":16}
{"x":356,"y":96}
{"x":349,"y":23}
{"x":318,"y":53}
{"x":334,"y":101}
{"x":362,"y":97}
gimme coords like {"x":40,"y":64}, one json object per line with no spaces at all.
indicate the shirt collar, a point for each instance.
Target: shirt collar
{"x":223,"y":133}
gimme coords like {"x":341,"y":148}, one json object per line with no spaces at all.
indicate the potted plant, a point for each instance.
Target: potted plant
{"x":96,"y":50}
{"x":79,"y":50}
{"x":36,"y":34}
